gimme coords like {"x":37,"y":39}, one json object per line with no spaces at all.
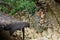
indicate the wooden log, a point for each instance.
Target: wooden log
{"x":5,"y":19}
{"x":10,"y":24}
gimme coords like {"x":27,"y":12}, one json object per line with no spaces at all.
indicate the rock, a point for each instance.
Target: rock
{"x":59,"y":30}
{"x":45,"y":38}
{"x":50,"y":39}
{"x":55,"y":36}
{"x":44,"y":33}
{"x":58,"y":38}
{"x":49,"y":31}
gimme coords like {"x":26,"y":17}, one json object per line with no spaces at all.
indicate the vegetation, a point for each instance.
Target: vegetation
{"x":19,"y":5}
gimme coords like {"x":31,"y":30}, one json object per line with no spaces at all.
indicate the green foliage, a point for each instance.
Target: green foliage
{"x":19,"y":5}
{"x":4,"y":9}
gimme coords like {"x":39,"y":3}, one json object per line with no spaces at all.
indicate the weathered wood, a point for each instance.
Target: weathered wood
{"x":5,"y":19}
{"x":10,"y":24}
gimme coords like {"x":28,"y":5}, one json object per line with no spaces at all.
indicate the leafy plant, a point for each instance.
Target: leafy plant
{"x":19,"y":5}
{"x":4,"y":9}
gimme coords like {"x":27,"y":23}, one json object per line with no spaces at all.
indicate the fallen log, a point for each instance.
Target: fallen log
{"x":9,"y":24}
{"x":5,"y":19}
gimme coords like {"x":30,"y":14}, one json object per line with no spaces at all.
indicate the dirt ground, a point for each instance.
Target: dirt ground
{"x":53,"y":24}
{"x":53,"y":15}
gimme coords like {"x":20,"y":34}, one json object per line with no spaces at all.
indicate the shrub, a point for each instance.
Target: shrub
{"x":19,"y":5}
